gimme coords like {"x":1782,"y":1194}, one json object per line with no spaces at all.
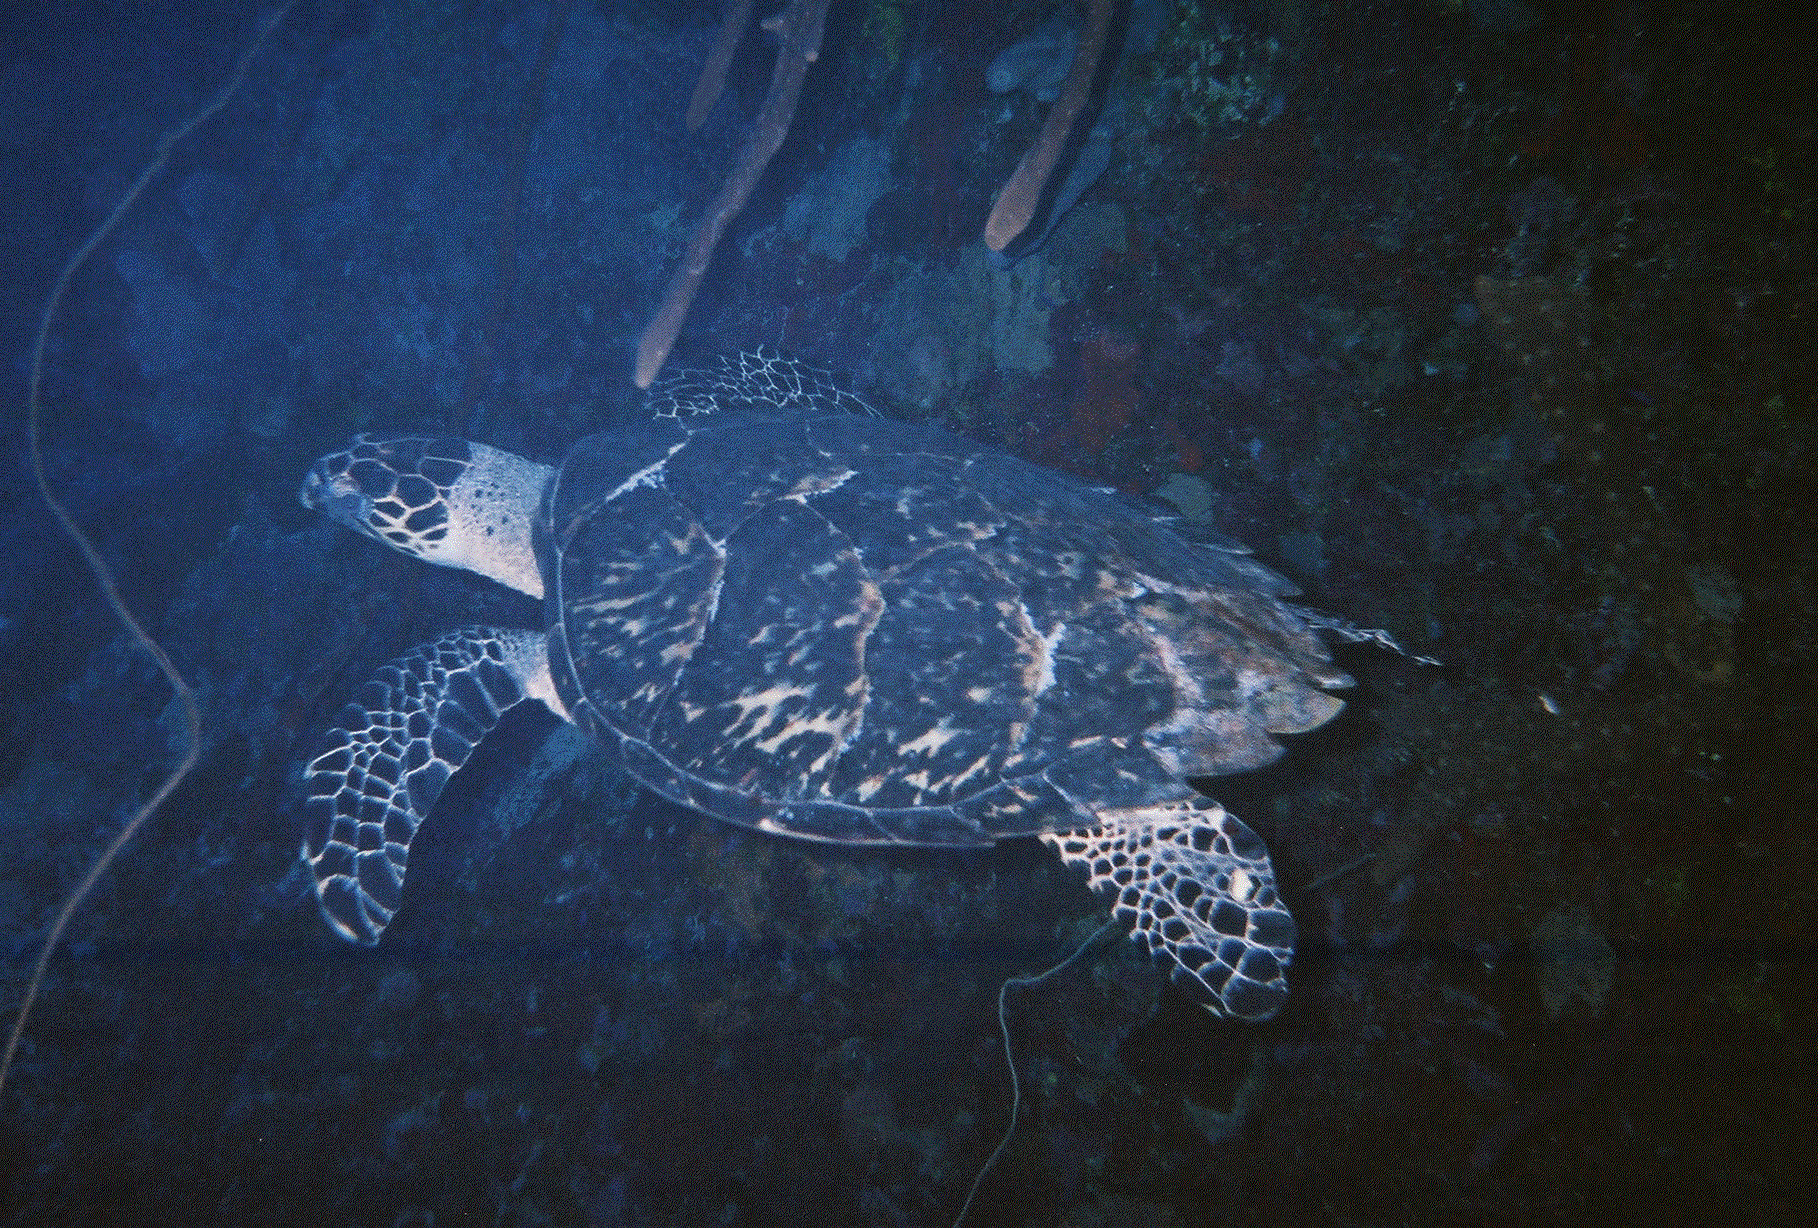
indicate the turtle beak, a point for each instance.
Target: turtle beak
{"x":328,"y":488}
{"x":314,"y":484}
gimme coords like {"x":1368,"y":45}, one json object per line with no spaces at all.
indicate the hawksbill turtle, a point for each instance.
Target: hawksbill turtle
{"x":772,"y":605}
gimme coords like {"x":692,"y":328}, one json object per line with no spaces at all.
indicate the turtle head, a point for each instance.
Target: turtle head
{"x":446,"y":501}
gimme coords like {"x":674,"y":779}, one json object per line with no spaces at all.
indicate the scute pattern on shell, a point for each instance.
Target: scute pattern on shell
{"x":810,"y":620}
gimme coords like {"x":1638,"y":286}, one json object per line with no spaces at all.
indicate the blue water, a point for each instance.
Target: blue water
{"x":1490,"y":324}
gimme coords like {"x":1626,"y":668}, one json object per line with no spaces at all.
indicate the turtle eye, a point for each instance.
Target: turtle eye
{"x":341,"y":500}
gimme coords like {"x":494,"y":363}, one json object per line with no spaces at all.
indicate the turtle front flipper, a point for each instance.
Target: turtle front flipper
{"x":1197,"y":887}
{"x":384,"y":764}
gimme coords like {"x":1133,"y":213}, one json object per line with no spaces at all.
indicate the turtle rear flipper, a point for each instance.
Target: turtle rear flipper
{"x":1196,"y":886}
{"x":384,"y":764}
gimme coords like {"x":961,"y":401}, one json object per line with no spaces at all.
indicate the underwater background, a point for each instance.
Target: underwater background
{"x":1493,"y":323}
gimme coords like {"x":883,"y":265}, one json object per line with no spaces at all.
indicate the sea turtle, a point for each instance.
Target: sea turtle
{"x":769,"y":604}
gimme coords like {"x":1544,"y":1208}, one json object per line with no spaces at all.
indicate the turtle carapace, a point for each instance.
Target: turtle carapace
{"x":783,"y":611}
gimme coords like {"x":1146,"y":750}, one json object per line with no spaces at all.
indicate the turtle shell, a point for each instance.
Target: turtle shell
{"x":853,"y":629}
